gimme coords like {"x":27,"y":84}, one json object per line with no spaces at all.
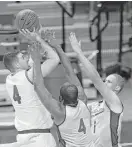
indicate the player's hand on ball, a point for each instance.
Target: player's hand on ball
{"x":32,"y":36}
{"x":74,"y":43}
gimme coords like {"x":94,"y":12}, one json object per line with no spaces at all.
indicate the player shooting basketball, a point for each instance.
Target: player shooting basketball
{"x":32,"y":119}
{"x":109,"y":90}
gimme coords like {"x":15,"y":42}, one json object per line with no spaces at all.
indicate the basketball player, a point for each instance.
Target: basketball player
{"x":112,"y":108}
{"x":32,"y":119}
{"x":71,"y":114}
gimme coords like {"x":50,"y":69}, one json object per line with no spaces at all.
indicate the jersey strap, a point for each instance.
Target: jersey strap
{"x":114,"y":124}
{"x":26,"y":74}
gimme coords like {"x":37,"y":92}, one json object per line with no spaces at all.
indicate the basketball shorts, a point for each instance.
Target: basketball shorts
{"x":37,"y":140}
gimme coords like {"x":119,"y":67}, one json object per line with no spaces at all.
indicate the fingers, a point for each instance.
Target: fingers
{"x":34,"y":51}
{"x":94,"y":53}
{"x":31,"y":48}
{"x":80,"y":43}
{"x":53,"y":34}
{"x":34,"y":30}
{"x":22,"y":32}
{"x":72,"y":37}
{"x":26,"y":32}
{"x":47,"y":35}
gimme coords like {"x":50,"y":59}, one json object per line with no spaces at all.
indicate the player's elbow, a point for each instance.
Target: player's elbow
{"x":56,"y":59}
{"x":116,"y":107}
{"x":121,"y":107}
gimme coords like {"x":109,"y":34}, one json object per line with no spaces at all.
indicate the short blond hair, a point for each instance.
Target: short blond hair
{"x":120,"y":80}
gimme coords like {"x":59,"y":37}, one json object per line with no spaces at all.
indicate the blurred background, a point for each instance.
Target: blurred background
{"x":103,"y":26}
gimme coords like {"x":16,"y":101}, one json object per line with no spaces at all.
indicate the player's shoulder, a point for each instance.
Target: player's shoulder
{"x":113,"y":111}
{"x":59,"y":115}
{"x":12,"y":78}
{"x":81,"y":103}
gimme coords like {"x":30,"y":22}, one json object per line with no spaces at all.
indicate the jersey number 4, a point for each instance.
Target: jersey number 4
{"x":82,"y":127}
{"x":16,"y":95}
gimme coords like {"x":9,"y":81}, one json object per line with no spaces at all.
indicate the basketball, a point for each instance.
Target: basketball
{"x":27,"y":19}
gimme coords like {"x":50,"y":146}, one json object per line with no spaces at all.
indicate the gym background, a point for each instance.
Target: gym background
{"x":104,"y":26}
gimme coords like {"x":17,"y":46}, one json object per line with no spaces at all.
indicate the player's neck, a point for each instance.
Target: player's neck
{"x":16,"y":71}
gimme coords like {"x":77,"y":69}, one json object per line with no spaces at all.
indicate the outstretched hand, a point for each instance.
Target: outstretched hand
{"x":48,"y":35}
{"x":76,"y":46}
{"x":93,"y":54}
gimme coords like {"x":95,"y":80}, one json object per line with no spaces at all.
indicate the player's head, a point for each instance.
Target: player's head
{"x":16,"y":60}
{"x":69,"y":94}
{"x":115,"y":82}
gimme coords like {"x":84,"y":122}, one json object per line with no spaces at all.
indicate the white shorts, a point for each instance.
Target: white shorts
{"x":39,"y":140}
{"x":16,"y":144}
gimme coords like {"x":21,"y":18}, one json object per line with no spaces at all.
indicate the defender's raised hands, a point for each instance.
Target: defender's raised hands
{"x":76,"y":45}
{"x":46,"y":34}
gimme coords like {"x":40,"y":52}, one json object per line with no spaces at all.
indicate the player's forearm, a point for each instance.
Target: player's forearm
{"x":38,"y":78}
{"x":72,"y":78}
{"x":48,"y":66}
{"x":39,"y":82}
{"x":67,"y":66}
{"x":64,"y":60}
{"x":44,"y":95}
{"x":52,"y":61}
{"x":90,"y":69}
{"x":51,"y":54}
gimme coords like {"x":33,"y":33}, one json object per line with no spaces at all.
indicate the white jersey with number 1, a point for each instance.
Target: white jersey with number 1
{"x":106,"y":125}
{"x":30,"y":113}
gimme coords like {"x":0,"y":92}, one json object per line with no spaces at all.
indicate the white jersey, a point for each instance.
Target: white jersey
{"x":30,"y":113}
{"x":106,"y":125}
{"x":75,"y":130}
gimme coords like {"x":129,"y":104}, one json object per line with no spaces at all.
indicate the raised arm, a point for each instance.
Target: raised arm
{"x":53,"y":106}
{"x":70,"y":75}
{"x":52,"y":58}
{"x":110,"y":97}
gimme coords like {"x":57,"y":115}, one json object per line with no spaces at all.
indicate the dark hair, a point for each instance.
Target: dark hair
{"x":10,"y":59}
{"x":69,"y":93}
